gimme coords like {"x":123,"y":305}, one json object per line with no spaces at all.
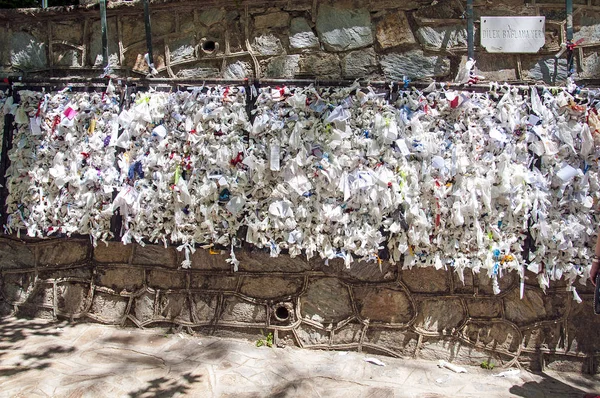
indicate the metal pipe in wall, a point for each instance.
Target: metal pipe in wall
{"x":148,"y":32}
{"x":569,"y":5}
{"x":470,"y":30}
{"x":104,"y":26}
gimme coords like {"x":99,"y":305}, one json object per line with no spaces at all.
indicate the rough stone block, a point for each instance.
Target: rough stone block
{"x":590,"y":66}
{"x":112,"y":252}
{"x":203,"y":260}
{"x":442,"y":37}
{"x":42,"y":295}
{"x":286,"y":338}
{"x":484,"y":308}
{"x":496,"y":67}
{"x":238,"y":70}
{"x":426,"y":280}
{"x":493,"y":335}
{"x":186,"y":23}
{"x":174,"y":307}
{"x":154,"y":255}
{"x":415,"y":65}
{"x":63,"y":252}
{"x":31,"y":311}
{"x":160,"y":279}
{"x":359,"y":271}
{"x":120,"y":278}
{"x":5,"y":46}
{"x":272,"y":20}
{"x":261,"y":261}
{"x":135,"y":60}
{"x":393,"y":30}
{"x":583,"y":328}
{"x":508,"y":281}
{"x":383,"y":305}
{"x":237,"y":310}
{"x":359,"y":63}
{"x":182,"y":49}
{"x":402,"y":342}
{"x":68,"y":30}
{"x":552,"y":38}
{"x":442,"y":315}
{"x":270,"y":287}
{"x":311,"y":336}
{"x":28,"y":52}
{"x":587,"y":26}
{"x":16,"y":255}
{"x":212,"y":16}
{"x":267,"y":44}
{"x":451,"y":350}
{"x":84,"y":272}
{"x":535,"y":306}
{"x":95,"y":48}
{"x":16,"y":288}
{"x":378,"y":5}
{"x":464,"y":286}
{"x":163,"y":23}
{"x":143,"y":307}
{"x":549,"y":70}
{"x":441,"y":10}
{"x":72,"y":298}
{"x":559,"y":363}
{"x":213,"y":282}
{"x":343,"y":29}
{"x":67,"y":56}
{"x":548,"y":337}
{"x":109,"y":308}
{"x":326,"y":301}
{"x":302,"y":35}
{"x":132,"y":31}
{"x":348,"y":334}
{"x":203,"y":308}
{"x":321,"y":65}
{"x":284,"y":66}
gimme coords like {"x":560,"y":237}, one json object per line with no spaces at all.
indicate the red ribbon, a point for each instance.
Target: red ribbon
{"x":237,"y":159}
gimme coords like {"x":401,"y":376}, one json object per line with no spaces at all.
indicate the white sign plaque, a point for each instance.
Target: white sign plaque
{"x":513,"y":34}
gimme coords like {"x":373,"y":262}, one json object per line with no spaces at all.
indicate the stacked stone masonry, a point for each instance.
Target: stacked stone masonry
{"x":423,"y":312}
{"x":368,"y":39}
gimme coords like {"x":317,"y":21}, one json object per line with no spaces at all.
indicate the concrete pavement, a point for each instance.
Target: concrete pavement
{"x":49,"y":359}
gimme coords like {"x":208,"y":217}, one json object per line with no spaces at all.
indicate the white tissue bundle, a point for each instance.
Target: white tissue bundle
{"x":62,"y":171}
{"x":182,"y":168}
{"x":450,"y":179}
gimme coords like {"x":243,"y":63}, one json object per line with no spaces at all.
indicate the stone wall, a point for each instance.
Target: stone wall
{"x":369,"y":39}
{"x":414,"y":313}
{"x":420,"y":313}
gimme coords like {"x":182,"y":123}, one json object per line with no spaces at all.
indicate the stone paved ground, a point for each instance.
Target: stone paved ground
{"x":44,"y":359}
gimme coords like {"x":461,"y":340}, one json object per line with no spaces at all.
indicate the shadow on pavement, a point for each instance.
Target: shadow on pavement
{"x":15,"y":332}
{"x":550,"y":387}
{"x":163,"y":387}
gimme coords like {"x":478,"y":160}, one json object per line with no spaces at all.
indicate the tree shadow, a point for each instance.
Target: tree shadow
{"x":14,"y":331}
{"x":163,"y":387}
{"x":550,"y":387}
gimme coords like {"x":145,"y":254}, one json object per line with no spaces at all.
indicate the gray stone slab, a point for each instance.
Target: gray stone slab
{"x":414,"y":64}
{"x":359,"y":63}
{"x":28,"y":52}
{"x":343,"y":29}
{"x":442,"y":37}
{"x":302,"y":35}
{"x":549,"y":70}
